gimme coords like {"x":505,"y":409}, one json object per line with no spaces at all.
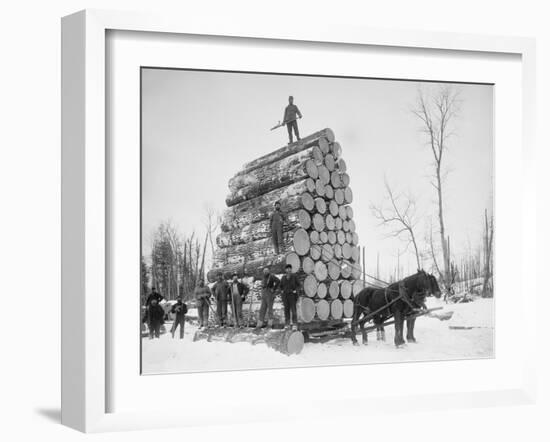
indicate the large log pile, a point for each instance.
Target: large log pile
{"x":309,"y":178}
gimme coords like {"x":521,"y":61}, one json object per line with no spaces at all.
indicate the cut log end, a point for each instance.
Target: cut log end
{"x":336,"y":309}
{"x":322,"y":309}
{"x":305,"y":309}
{"x":301,"y":242}
{"x":310,"y":286}
{"x":294,"y":260}
{"x":348,"y":308}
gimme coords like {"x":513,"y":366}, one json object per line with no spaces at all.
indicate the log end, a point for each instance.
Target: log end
{"x":295,"y":343}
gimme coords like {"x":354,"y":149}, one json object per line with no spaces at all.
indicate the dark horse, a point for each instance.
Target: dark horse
{"x":413,"y":291}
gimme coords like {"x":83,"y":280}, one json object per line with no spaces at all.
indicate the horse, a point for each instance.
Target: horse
{"x":411,"y":291}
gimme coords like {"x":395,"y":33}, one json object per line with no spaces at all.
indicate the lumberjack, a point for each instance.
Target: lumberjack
{"x":180,"y":310}
{"x":222,"y":292}
{"x":292,"y":113}
{"x":202,"y":296}
{"x":269,"y":284}
{"x":238,"y":294}
{"x":289,"y":287}
{"x":154,"y":295}
{"x":277,"y":221}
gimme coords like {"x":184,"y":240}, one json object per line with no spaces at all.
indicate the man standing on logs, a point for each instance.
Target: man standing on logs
{"x":292,"y":113}
{"x":222,"y":292}
{"x":277,"y":222}
{"x":202,"y":296}
{"x":270,"y":283}
{"x":238,"y":294}
{"x":289,"y":288}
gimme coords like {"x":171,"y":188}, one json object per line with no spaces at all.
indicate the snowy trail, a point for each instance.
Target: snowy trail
{"x":474,"y":338}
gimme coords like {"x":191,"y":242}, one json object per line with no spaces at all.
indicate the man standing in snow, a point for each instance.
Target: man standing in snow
{"x":155,"y":318}
{"x":222,"y":292}
{"x":154,"y":295}
{"x":180,"y":309}
{"x":292,"y":113}
{"x":289,"y":287}
{"x":276,"y":223}
{"x":238,"y":294}
{"x":269,"y":284}
{"x":202,"y":298}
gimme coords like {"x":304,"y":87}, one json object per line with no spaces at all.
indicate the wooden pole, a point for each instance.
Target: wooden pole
{"x":363,"y":262}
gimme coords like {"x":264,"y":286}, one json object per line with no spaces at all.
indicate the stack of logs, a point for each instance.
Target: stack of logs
{"x":309,"y":178}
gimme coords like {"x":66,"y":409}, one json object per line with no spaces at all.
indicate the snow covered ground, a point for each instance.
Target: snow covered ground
{"x":468,"y":334}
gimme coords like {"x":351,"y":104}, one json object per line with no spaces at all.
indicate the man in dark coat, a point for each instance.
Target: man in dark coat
{"x":202,"y":298}
{"x":155,"y":318}
{"x":277,"y":221}
{"x":269,"y":284}
{"x":221,"y":292}
{"x":238,"y":295}
{"x":289,"y":287}
{"x":154,"y":295}
{"x":180,"y":310}
{"x":292,"y":113}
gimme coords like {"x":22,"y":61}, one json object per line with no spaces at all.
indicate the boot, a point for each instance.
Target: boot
{"x":270,"y":323}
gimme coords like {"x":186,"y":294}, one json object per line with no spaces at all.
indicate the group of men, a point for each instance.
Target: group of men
{"x":235,"y":292}
{"x":224,"y":293}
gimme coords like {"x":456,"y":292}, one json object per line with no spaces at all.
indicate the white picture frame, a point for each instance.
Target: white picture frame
{"x":85,"y":203}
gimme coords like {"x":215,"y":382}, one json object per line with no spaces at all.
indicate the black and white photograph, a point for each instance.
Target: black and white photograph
{"x":303,"y":220}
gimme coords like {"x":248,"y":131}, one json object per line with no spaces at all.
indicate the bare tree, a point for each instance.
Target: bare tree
{"x":212,"y":221}
{"x":200,"y":274}
{"x":436,"y":111}
{"x":487,"y":254}
{"x":399,"y":214}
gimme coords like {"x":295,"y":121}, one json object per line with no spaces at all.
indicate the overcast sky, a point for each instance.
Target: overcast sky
{"x":199,"y":128}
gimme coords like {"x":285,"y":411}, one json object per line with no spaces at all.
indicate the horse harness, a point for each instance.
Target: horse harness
{"x":402,"y":295}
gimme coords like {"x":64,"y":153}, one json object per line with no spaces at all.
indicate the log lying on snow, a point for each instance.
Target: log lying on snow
{"x":288,"y":342}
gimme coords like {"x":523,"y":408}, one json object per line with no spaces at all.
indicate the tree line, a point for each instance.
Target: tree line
{"x":175,"y":262}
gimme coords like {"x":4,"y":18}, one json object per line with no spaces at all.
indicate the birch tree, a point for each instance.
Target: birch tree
{"x":436,"y":109}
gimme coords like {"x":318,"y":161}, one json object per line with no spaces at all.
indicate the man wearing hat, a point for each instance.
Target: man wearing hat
{"x":221,"y":292}
{"x":269,"y":284}
{"x":238,"y":295}
{"x":276,"y":223}
{"x":289,"y":288}
{"x":292,"y":113}
{"x":180,"y":310}
{"x":154,"y":295}
{"x":202,"y":297}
